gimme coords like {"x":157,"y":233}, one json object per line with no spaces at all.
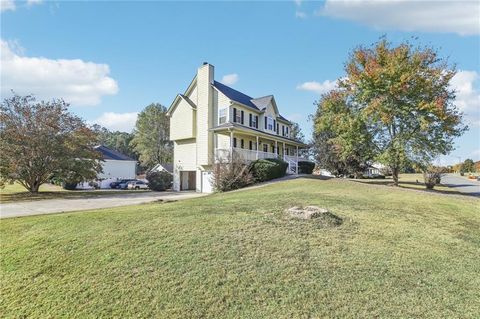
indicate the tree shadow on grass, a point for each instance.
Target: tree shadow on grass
{"x":413,"y":186}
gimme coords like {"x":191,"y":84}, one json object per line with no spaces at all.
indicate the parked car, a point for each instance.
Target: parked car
{"x":137,"y":185}
{"x":121,"y":184}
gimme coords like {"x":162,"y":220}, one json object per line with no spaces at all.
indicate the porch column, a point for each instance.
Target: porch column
{"x":231,"y":146}
{"x":276,"y":148}
{"x":257,"y":148}
{"x":297,"y":159}
{"x":215,"y":146}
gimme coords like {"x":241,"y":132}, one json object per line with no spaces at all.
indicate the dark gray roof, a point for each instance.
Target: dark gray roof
{"x":109,"y":154}
{"x":235,"y":95}
{"x":168,"y":167}
{"x":258,"y":104}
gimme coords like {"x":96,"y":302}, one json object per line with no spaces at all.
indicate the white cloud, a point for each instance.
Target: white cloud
{"x":298,"y":2}
{"x":460,"y":17}
{"x":468,"y":95}
{"x":76,"y":81}
{"x":124,"y":122}
{"x":300,"y":14}
{"x":6,"y":5}
{"x":317,"y":87}
{"x":230,"y":79}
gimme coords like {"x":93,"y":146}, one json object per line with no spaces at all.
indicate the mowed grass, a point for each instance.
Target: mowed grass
{"x":17,"y":193}
{"x":398,"y":253}
{"x":411,"y":181}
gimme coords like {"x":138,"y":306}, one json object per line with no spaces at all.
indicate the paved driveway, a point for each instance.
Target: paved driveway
{"x":50,"y":206}
{"x":462,"y":184}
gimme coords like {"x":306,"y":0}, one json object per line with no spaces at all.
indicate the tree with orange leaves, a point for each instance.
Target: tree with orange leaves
{"x":403,"y":95}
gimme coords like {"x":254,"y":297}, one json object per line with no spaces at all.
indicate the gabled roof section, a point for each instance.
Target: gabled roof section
{"x":262,"y":102}
{"x":235,"y":95}
{"x":109,"y":154}
{"x":175,"y":103}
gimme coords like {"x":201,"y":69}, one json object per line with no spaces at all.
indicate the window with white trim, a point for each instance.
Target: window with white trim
{"x":270,"y":126}
{"x":222,"y":116}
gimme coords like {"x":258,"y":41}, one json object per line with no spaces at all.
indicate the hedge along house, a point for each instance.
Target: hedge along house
{"x":212,"y":122}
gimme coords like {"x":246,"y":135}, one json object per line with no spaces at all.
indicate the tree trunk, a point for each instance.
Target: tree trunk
{"x":395,"y":171}
{"x":34,"y":187}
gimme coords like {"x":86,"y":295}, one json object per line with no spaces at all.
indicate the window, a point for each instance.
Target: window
{"x":270,"y":124}
{"x":222,"y":116}
{"x":250,"y":119}
{"x":255,"y":121}
{"x":283,"y":130}
{"x":242,"y":143}
{"x":265,"y":148}
{"x":286,"y":129}
{"x":273,"y":149}
{"x":237,"y":116}
{"x":287,"y":149}
{"x":278,"y":128}
{"x":234,"y":142}
{"x":250,"y":145}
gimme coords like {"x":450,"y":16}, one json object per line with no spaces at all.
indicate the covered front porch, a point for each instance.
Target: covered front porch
{"x":249,"y":145}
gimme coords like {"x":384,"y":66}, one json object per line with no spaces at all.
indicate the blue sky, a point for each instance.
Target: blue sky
{"x":111,"y":59}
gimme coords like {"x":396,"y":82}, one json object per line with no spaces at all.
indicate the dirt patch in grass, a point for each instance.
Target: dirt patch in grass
{"x":320,"y":216}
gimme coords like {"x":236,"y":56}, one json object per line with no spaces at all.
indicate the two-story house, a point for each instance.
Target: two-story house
{"x":212,"y":121}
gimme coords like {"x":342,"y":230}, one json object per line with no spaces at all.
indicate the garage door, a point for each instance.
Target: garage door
{"x":187,"y":180}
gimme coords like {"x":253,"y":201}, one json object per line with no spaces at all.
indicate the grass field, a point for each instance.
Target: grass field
{"x":16,"y":193}
{"x":398,"y":253}
{"x":411,"y":181}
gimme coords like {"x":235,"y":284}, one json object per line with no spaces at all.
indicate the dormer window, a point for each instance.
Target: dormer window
{"x":270,"y":123}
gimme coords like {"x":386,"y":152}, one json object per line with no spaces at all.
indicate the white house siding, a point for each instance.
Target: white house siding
{"x":118,"y":169}
{"x":184,"y":159}
{"x":183,"y":121}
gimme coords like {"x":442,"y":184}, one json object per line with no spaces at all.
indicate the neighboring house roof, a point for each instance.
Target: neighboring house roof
{"x":165,"y":166}
{"x":109,"y":154}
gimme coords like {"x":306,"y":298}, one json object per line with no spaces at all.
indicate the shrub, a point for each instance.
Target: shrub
{"x":305,"y":167}
{"x":433,"y":176}
{"x":69,"y":185}
{"x":267,"y":169}
{"x":229,"y":175}
{"x":159,"y":181}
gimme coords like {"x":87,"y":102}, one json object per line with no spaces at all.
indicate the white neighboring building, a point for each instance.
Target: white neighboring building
{"x":115,"y":166}
{"x":213,"y":121}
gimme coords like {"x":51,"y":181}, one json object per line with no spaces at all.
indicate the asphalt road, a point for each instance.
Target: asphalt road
{"x":462,"y":184}
{"x":51,"y":206}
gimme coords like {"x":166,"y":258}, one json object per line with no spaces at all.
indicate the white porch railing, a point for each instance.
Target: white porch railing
{"x":246,"y":155}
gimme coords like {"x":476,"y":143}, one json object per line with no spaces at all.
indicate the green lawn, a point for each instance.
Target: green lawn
{"x":16,"y":193}
{"x":398,"y":253}
{"x":412,"y":181}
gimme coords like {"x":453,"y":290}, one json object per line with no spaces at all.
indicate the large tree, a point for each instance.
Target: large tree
{"x":342,"y":143}
{"x":403,"y":95}
{"x":41,"y":139}
{"x":151,"y":136}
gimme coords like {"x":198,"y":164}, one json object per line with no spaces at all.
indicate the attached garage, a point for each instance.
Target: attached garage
{"x":188,"y":180}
